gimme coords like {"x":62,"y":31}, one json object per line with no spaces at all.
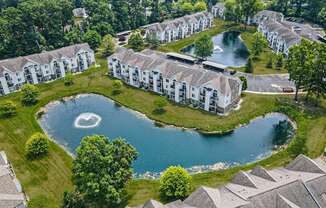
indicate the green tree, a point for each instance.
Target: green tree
{"x":152,"y":41}
{"x":175,"y":183}
{"x":248,"y":8}
{"x":259,"y":44}
{"x":7,"y":109}
{"x":244,"y":82}
{"x":283,"y":131}
{"x":101,"y":170}
{"x":322,"y":17}
{"x":108,"y":46}
{"x":69,"y":79}
{"x":92,"y":38}
{"x":270,"y":62}
{"x":136,"y":41}
{"x":29,"y":94}
{"x":159,"y":104}
{"x":117,"y":85}
{"x":37,"y":146}
{"x":73,"y":200}
{"x":279,"y":61}
{"x":249,"y":68}
{"x":200,"y":6}
{"x":204,"y":47}
{"x":187,"y":8}
{"x":299,"y":64}
{"x":74,"y":36}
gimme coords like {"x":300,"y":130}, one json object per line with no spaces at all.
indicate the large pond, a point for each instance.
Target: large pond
{"x":69,"y":121}
{"x":229,"y":50}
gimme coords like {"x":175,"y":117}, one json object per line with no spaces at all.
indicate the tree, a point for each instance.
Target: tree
{"x":152,"y":41}
{"x":317,"y":81}
{"x":159,"y":104}
{"x":69,"y":79}
{"x":136,"y":41}
{"x":249,"y":68}
{"x":299,"y":64}
{"x":37,"y":146}
{"x":92,"y":38}
{"x":187,"y":8}
{"x":108,"y":46}
{"x":101,"y":170}
{"x":175,"y":183}
{"x":270,"y":62}
{"x":117,"y":85}
{"x":248,"y":8}
{"x":279,"y":61}
{"x":244,"y":82}
{"x":259,"y":44}
{"x":200,"y":6}
{"x":7,"y":109}
{"x":322,"y":16}
{"x":73,"y":200}
{"x":204,"y":47}
{"x":283,"y":131}
{"x":29,"y":94}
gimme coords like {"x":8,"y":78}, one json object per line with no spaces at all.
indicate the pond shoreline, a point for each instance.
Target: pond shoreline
{"x":154,"y":175}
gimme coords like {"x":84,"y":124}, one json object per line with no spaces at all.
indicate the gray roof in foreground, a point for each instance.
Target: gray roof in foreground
{"x":11,"y":195}
{"x":301,"y":184}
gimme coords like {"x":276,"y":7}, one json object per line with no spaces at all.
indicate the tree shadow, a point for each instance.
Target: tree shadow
{"x":158,"y":111}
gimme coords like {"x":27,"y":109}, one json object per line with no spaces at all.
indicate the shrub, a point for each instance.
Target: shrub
{"x":117,"y":84}
{"x":244,"y":82}
{"x":30,"y":94}
{"x":279,"y":61}
{"x":270,"y":63}
{"x":7,"y":109}
{"x":249,"y":68}
{"x":68,"y":80}
{"x":159,"y":104}
{"x":175,"y":183}
{"x":37,"y":145}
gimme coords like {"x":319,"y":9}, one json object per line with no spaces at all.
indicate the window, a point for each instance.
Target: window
{"x":193,"y":95}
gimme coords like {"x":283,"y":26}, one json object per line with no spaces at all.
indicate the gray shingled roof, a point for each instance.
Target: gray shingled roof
{"x":150,"y":60}
{"x":300,"y":185}
{"x":16,"y":64}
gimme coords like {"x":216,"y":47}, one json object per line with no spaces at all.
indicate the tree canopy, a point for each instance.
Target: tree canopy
{"x":204,"y":47}
{"x":101,"y":170}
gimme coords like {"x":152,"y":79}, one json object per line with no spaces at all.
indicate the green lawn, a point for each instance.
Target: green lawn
{"x":45,"y":180}
{"x":222,"y":26}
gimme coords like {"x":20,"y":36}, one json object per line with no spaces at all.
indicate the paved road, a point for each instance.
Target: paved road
{"x":267,"y":83}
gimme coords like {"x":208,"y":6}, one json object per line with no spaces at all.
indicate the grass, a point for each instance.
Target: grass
{"x":247,"y":36}
{"x":45,"y":180}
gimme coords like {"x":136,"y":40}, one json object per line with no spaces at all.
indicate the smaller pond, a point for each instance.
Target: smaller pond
{"x":229,"y":50}
{"x":69,"y":121}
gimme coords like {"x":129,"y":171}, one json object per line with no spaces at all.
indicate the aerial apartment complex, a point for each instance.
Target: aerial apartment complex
{"x":179,"y":28}
{"x":182,"y":83}
{"x":301,"y":184}
{"x":45,"y":66}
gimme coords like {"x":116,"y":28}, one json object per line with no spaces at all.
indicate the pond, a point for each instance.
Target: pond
{"x":67,"y":122}
{"x":229,"y":50}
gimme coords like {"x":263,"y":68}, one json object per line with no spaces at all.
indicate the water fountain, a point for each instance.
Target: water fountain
{"x":87,"y":121}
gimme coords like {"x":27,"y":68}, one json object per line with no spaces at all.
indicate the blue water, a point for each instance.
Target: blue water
{"x":159,"y":147}
{"x":229,"y":50}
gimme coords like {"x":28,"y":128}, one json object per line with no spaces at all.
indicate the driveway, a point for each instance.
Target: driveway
{"x":267,"y":84}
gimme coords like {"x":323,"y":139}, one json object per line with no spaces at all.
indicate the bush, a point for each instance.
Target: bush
{"x":270,"y":63}
{"x":30,"y":94}
{"x":160,"y":103}
{"x":175,"y":183}
{"x":68,"y":80}
{"x":244,"y":82}
{"x":117,"y":84}
{"x":37,"y":145}
{"x":7,"y":109}
{"x":279,"y":61}
{"x":249,"y":68}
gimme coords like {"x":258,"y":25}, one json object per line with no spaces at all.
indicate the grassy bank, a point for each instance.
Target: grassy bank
{"x":222,"y":26}
{"x":45,"y":180}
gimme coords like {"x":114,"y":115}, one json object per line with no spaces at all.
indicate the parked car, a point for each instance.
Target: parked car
{"x":288,"y":89}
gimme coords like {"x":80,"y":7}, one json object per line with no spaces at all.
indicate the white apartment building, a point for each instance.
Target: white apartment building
{"x":282,"y":34}
{"x":45,"y":66}
{"x":176,"y":29}
{"x":185,"y":84}
{"x":218,"y":10}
